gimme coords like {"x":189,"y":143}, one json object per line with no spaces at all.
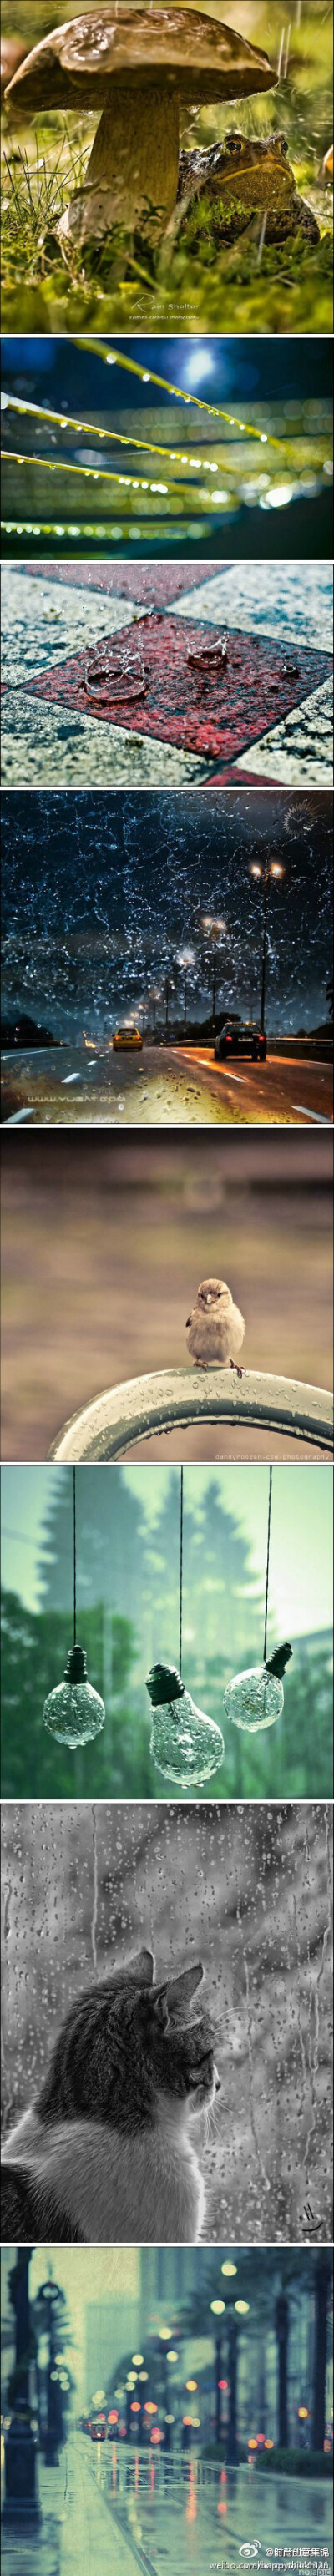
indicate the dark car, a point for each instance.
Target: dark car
{"x":244,"y":1038}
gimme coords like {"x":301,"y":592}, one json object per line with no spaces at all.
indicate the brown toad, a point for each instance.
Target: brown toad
{"x":223,"y":189}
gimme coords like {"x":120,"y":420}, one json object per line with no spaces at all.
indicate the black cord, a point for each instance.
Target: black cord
{"x":181,"y":1569}
{"x":267,"y":1571}
{"x":74,"y":1563}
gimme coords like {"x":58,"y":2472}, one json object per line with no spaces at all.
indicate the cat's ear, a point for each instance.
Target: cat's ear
{"x":160,"y":2009}
{"x":143,"y":1968}
{"x":181,"y":1989}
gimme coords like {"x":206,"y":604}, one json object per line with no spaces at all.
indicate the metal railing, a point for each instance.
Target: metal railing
{"x":173,"y":1399}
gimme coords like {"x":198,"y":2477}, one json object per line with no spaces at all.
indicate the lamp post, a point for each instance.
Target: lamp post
{"x":232,"y":2309}
{"x":214,"y":931}
{"x":270,"y":869}
{"x":169,"y":988}
{"x":282,"y":2325}
{"x":185,"y":959}
{"x":50,"y":2303}
{"x":20,"y":2499}
{"x":155,"y":996}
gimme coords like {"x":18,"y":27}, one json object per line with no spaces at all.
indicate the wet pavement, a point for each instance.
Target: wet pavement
{"x":162,"y":1086}
{"x":106,"y":2511}
{"x":184,"y":2516}
{"x":263,"y":713}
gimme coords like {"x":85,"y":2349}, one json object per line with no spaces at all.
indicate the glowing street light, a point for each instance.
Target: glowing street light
{"x":270,"y":868}
{"x":214,"y":930}
{"x":229,"y":2270}
{"x":185,"y":959}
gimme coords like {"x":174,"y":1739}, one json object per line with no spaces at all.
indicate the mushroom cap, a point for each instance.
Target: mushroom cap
{"x":76,"y":63}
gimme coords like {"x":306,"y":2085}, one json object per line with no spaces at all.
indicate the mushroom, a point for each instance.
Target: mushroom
{"x":12,"y":54}
{"x":139,"y":67}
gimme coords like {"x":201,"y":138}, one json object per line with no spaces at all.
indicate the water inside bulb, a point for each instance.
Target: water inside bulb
{"x":254,"y":1699}
{"x":185,"y":1744}
{"x":74,"y":1712}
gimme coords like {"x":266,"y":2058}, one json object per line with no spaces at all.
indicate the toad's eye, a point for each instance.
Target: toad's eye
{"x":233,"y":145}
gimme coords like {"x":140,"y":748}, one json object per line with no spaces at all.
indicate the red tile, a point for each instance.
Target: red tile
{"x":145,"y":583}
{"x":221,"y":718}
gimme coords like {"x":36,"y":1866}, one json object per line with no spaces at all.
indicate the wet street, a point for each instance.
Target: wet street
{"x":107,"y":2512}
{"x":191,"y":2516}
{"x":162,"y":1086}
{"x":118,"y":2512}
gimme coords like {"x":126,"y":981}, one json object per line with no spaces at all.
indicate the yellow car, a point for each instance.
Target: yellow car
{"x":128,"y":1036}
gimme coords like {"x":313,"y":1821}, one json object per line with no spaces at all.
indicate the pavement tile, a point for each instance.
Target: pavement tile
{"x":147,"y":583}
{"x":293,"y":602}
{"x":46,"y":746}
{"x":301,"y":747}
{"x":259,"y":721}
{"x":38,"y":628}
{"x":223,"y":716}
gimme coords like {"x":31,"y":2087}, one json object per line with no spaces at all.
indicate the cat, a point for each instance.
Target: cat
{"x":105,"y":2156}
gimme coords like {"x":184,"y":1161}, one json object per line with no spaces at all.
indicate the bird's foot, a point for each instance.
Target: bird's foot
{"x":238,"y":1371}
{"x":201,"y":1364}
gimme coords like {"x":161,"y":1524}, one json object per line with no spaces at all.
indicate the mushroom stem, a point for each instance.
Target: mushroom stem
{"x":133,"y":167}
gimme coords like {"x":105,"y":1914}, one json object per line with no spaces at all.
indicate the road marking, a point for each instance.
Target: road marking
{"x":234,"y":1077}
{"x":315,"y":1115}
{"x":17,"y":1117}
{"x":70,"y":1077}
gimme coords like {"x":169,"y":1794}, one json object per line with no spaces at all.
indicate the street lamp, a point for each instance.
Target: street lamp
{"x":155,"y":996}
{"x":20,"y":2497}
{"x":214,"y":931}
{"x":232,"y":2308}
{"x":185,"y":959}
{"x":271,"y":868}
{"x":169,"y":988}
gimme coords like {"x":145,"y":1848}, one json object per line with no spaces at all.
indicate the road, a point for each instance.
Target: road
{"x":162,"y":1086}
{"x":283,"y":1092}
{"x":190,"y":2519}
{"x":114,"y":2511}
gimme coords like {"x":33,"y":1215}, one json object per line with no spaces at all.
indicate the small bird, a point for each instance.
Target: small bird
{"x":215,"y":1328}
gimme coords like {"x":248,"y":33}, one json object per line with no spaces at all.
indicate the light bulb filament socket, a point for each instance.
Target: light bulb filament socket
{"x":76,"y":1667}
{"x":164,"y":1683}
{"x":277,"y":1663}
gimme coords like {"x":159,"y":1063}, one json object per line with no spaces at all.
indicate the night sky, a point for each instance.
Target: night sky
{"x":101,"y":892}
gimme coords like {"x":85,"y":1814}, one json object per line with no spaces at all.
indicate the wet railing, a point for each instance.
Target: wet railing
{"x":175,"y":1399}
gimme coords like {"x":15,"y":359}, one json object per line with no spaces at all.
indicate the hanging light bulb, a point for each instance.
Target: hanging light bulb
{"x":74,"y":1712}
{"x":255,"y":1698}
{"x":185,"y":1745}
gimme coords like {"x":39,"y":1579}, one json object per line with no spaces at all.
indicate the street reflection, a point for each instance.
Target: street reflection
{"x":172,"y":2506}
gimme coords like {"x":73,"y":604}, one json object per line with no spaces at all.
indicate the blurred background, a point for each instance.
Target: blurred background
{"x":128,"y":1619}
{"x":249,"y":501}
{"x":247,"y":1890}
{"x":104,"y":1242}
